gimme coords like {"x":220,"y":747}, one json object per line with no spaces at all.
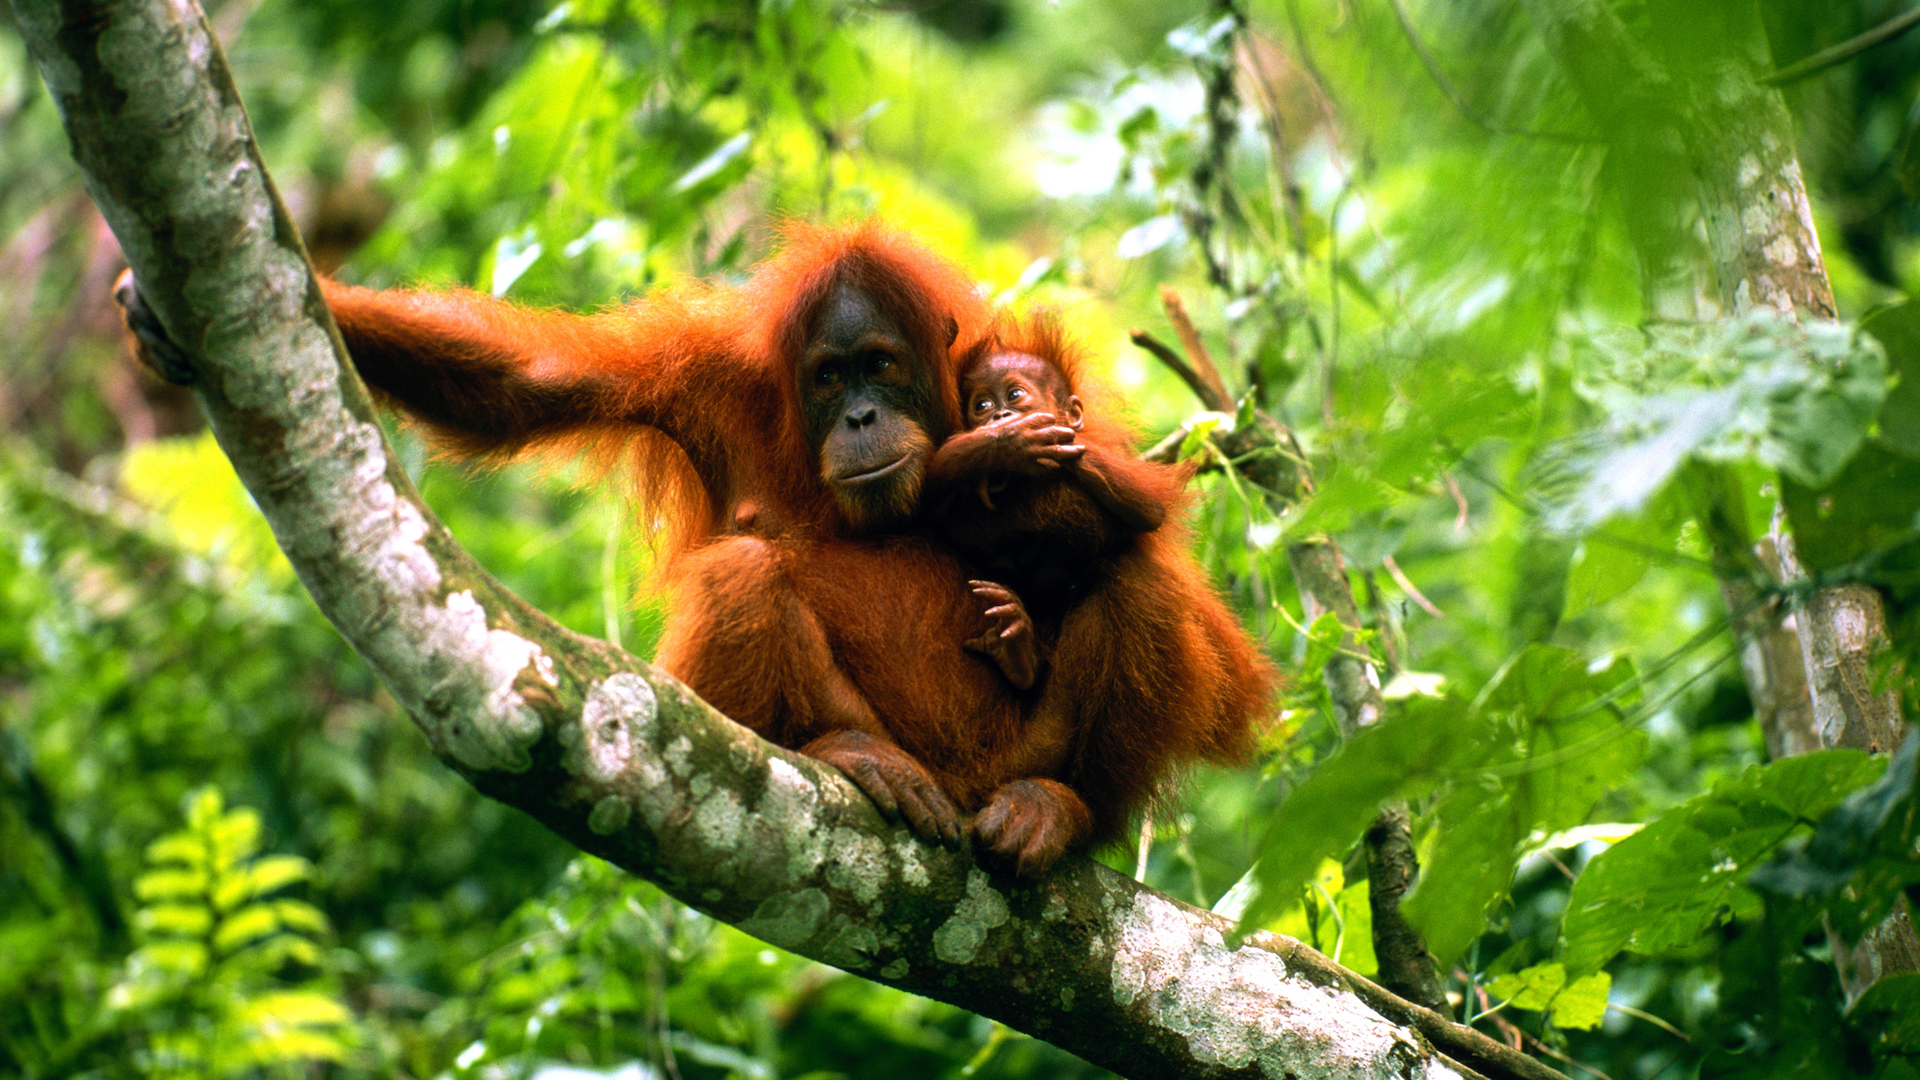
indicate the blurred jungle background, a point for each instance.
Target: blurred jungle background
{"x":1398,"y":226}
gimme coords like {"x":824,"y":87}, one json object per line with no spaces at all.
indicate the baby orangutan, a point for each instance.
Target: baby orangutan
{"x":1068,"y":506}
{"x":1094,"y":605}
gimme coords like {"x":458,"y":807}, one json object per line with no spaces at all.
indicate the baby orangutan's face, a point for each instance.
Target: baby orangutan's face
{"x":1014,"y":384}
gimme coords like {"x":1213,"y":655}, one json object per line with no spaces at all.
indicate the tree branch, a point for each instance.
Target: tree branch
{"x":1845,"y":51}
{"x":608,"y":752}
{"x":1212,"y":398}
{"x":1203,"y":369}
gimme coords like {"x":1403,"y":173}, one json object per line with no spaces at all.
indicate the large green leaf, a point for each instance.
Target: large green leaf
{"x":1660,"y":889}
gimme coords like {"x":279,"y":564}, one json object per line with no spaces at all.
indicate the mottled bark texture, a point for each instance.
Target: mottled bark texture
{"x":1701,"y":141}
{"x":607,"y":752}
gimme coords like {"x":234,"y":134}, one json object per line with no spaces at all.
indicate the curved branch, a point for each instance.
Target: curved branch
{"x":602,"y":748}
{"x":1834,"y":55}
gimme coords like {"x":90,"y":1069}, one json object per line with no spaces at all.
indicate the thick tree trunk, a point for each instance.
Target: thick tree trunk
{"x":606,"y":751}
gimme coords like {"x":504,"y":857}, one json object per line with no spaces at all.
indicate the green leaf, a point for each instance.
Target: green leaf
{"x":280,"y":949}
{"x":1612,"y":560}
{"x":1870,"y":507}
{"x":203,"y":808}
{"x":276,"y":871}
{"x":1551,"y":683}
{"x":1533,"y":988}
{"x":1606,"y":832}
{"x":181,"y":920}
{"x":275,"y":1045}
{"x":233,"y":888}
{"x":1470,"y":865}
{"x":1583,"y":1004}
{"x":179,"y":957}
{"x":182,"y":847}
{"x":1200,"y":429}
{"x":1810,"y":786}
{"x":1343,"y":930}
{"x":1891,"y":1009}
{"x":1323,"y":638}
{"x":1897,"y":329}
{"x":296,"y":1007}
{"x":250,"y":923}
{"x":1864,"y":846}
{"x":234,"y":838}
{"x":170,"y":884}
{"x":1561,"y":745}
{"x":1661,"y":889}
{"x":1356,"y":914}
{"x":1759,"y":388}
{"x":300,"y":916}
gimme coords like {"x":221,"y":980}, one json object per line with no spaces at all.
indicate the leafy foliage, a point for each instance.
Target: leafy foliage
{"x":1398,"y":230}
{"x":215,"y":936}
{"x":1532,"y":755}
{"x":1579,"y":1004}
{"x":1760,"y":388}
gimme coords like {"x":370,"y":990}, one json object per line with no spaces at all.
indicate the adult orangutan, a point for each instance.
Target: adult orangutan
{"x":1093,"y":593}
{"x":782,"y":428}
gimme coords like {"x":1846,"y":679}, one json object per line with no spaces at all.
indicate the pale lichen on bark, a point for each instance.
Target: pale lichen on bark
{"x":984,"y":909}
{"x":1242,"y":1006}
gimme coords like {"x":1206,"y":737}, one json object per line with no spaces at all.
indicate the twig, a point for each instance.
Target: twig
{"x":1523,"y":1038}
{"x":1651,"y":1019}
{"x":1288,"y":195}
{"x":1217,"y":397}
{"x":1392,"y":636}
{"x":1463,"y":520}
{"x":1406,"y":586}
{"x":1165,"y":354}
{"x":1321,"y":94}
{"x":1565,"y":871}
{"x":1167,"y":450}
{"x":1508,"y":1028}
{"x":1846,"y":50}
